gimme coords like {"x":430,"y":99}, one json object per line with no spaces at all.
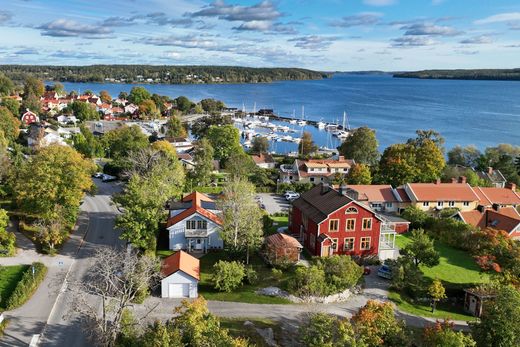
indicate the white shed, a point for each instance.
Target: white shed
{"x":181,"y":275}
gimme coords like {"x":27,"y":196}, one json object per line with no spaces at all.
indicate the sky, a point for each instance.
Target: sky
{"x":327,"y":35}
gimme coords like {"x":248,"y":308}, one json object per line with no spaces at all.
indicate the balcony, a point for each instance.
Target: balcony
{"x":196,"y":232}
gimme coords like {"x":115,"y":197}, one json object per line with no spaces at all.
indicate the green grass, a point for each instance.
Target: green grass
{"x":442,"y":311}
{"x":456,"y":266}
{"x":278,"y":222}
{"x":245,"y":293}
{"x":9,"y":278}
{"x":237,"y":328}
{"x":163,"y":253}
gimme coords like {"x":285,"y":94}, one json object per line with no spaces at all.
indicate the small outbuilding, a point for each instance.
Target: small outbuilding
{"x":475,"y":298}
{"x":181,"y":276}
{"x":282,"y":248}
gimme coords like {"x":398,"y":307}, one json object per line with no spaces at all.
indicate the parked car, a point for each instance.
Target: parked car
{"x":291,"y":196}
{"x":366,"y":270}
{"x":98,"y":175}
{"x":108,"y":178}
{"x":385,"y":271}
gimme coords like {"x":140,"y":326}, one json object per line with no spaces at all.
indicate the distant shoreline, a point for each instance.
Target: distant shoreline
{"x":476,"y":74}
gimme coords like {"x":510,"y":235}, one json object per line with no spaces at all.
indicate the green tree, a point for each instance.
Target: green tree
{"x":7,"y":239}
{"x":415,"y":216}
{"x":203,"y":157}
{"x":159,"y":334}
{"x":58,"y":88}
{"x":437,"y":292}
{"x":341,"y":272}
{"x":442,"y":334}
{"x":52,"y":183}
{"x":12,"y":105}
{"x":84,"y":111}
{"x":228,"y":275}
{"x":87,"y":144}
{"x":9,"y":124}
{"x":32,"y":103}
{"x":359,"y":174}
{"x":498,"y":325}
{"x":138,"y":95}
{"x":308,"y":281}
{"x":123,"y":95}
{"x":174,"y":127}
{"x":121,"y":141}
{"x":397,"y":165}
{"x":212,"y":105}
{"x":324,"y":330}
{"x":429,"y":161}
{"x":242,"y":217}
{"x":6,"y":85}
{"x":260,"y":144}
{"x":105,"y":96}
{"x":33,"y":86}
{"x":307,"y":145}
{"x":240,"y":164}
{"x":200,"y":128}
{"x":421,"y":250}
{"x":466,"y":156}
{"x":184,"y":104}
{"x":428,"y":135}
{"x":225,"y":140}
{"x":361,"y":146}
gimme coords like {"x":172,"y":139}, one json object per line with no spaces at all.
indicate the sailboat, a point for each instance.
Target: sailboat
{"x":321,"y":124}
{"x":302,"y":122}
{"x":293,"y":120}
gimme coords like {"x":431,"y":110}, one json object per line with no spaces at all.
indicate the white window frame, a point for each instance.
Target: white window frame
{"x":353,"y":227}
{"x":363,"y":224}
{"x":330,"y":222}
{"x":352,"y":240}
{"x":369,"y":243}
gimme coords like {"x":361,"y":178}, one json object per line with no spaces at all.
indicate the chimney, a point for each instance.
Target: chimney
{"x":481,"y":208}
{"x":324,"y":188}
{"x":462,"y":179}
{"x":511,"y":185}
{"x":496,"y":207}
{"x":453,"y":180}
{"x":341,"y":158}
{"x":343,"y":189}
{"x":490,"y":170}
{"x":438,"y":181}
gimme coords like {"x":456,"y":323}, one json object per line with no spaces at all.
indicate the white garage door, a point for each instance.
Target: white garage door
{"x":179,"y":290}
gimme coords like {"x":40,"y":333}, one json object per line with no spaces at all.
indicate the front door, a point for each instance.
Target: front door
{"x":325,"y":251}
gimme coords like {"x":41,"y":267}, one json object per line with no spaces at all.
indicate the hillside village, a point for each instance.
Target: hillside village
{"x":154,"y":182}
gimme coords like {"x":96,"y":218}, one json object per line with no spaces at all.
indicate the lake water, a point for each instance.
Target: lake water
{"x":482,"y":113}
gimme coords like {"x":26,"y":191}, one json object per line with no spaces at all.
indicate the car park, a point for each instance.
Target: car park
{"x":291,"y":196}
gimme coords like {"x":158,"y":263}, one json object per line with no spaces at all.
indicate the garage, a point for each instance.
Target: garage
{"x":181,"y":276}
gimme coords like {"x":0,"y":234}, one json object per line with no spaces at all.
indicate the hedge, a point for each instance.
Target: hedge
{"x":27,"y":286}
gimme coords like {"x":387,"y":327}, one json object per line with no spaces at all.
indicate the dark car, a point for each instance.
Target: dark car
{"x":385,"y":271}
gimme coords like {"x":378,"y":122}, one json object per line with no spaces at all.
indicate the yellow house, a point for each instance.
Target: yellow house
{"x":431,"y":197}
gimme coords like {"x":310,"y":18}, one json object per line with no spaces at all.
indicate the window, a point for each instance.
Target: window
{"x":389,"y":204}
{"x":334,"y":245}
{"x":451,"y":203}
{"x":367,"y":223}
{"x":351,"y":210}
{"x":365,"y":243}
{"x":466,"y":203}
{"x":426,"y":204}
{"x":321,"y":179}
{"x":202,"y":224}
{"x":191,"y":224}
{"x":349,"y":244}
{"x":311,"y":169}
{"x":440,"y":203}
{"x":334,"y":225}
{"x":351,"y":224}
{"x":312,"y":179}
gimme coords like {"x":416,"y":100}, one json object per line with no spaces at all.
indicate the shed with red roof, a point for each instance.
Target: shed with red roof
{"x":181,"y":275}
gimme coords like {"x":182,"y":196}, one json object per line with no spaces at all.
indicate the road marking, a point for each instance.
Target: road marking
{"x":34,"y":341}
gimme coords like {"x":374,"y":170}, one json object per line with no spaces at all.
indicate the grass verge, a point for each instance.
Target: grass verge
{"x":9,"y":278}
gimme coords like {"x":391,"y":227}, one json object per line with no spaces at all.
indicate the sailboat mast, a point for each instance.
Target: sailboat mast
{"x":344,"y":119}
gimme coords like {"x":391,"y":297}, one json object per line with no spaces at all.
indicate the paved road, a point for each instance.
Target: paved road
{"x":274,"y":202}
{"x":48,"y":312}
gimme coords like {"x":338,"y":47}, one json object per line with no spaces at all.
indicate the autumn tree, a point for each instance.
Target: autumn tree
{"x":84,"y":111}
{"x":9,"y":124}
{"x":12,"y":105}
{"x":225,"y":140}
{"x":105,"y":97}
{"x":443,"y":334}
{"x":361,"y":146}
{"x":397,"y":165}
{"x":86,"y":143}
{"x":6,"y":85}
{"x":466,"y":156}
{"x":51,"y":233}
{"x":203,"y":157}
{"x":436,"y":292}
{"x":240,"y":164}
{"x":57,"y":176}
{"x":33,"y":86}
{"x":242,"y":217}
{"x":138,"y":95}
{"x":7,"y":239}
{"x":174,"y":127}
{"x":498,"y":326}
{"x":148,"y":110}
{"x":421,"y":250}
{"x":260,"y":144}
{"x":324,"y":330}
{"x":307,"y":145}
{"x":359,"y":174}
{"x":32,"y":103}
{"x":429,"y":161}
{"x":375,"y":325}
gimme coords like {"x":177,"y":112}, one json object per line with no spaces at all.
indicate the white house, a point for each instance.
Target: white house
{"x":194,"y":224}
{"x":180,"y":144}
{"x":181,"y":273}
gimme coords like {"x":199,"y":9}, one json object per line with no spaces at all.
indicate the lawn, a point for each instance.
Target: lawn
{"x":245,"y":293}
{"x":278,"y":222}
{"x":442,"y":311}
{"x":456,"y":266}
{"x":9,"y":278}
{"x":237,"y":328}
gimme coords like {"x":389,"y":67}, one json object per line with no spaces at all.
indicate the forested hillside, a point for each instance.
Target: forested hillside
{"x":479,"y":74}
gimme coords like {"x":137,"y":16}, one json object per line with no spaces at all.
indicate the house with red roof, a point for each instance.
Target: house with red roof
{"x":181,"y":275}
{"x":502,"y":197}
{"x":282,"y":248}
{"x":194,"y":224}
{"x":315,"y":170}
{"x":30,"y":117}
{"x":264,"y":160}
{"x":327,"y":221}
{"x":501,"y":218}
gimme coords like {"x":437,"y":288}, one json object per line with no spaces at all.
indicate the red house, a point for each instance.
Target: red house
{"x":329,"y":222}
{"x":29,"y":117}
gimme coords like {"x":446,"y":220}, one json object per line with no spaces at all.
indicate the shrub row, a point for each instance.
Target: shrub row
{"x":27,"y":286}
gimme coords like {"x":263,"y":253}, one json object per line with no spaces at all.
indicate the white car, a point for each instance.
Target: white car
{"x":292,"y":196}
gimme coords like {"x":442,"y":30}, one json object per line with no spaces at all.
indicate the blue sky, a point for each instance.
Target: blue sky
{"x":317,"y":34}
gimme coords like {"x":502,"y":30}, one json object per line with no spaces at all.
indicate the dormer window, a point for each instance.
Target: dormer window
{"x":351,"y":210}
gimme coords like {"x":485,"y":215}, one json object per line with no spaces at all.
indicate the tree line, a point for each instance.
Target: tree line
{"x":461,"y":74}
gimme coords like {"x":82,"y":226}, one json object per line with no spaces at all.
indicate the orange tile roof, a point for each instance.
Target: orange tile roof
{"x":403,"y":194}
{"x":474,"y":217}
{"x":497,"y":220}
{"x":196,"y":207}
{"x":375,"y":193}
{"x":262,"y":158}
{"x":283,"y":240}
{"x":510,"y":212}
{"x":502,"y":196}
{"x":181,"y":261}
{"x":443,"y":192}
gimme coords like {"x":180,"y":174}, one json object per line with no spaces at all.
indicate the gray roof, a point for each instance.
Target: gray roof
{"x":317,"y":205}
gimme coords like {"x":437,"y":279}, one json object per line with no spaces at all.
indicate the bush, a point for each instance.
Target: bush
{"x":308,"y":282}
{"x":228,"y":275}
{"x":251,"y":275}
{"x":415,"y":216}
{"x":3,"y":326}
{"x":277,"y":274}
{"x":341,"y":272}
{"x":27,"y":286}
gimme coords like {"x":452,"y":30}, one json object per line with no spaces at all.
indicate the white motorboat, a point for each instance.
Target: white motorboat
{"x":321,"y":125}
{"x":293,"y":121}
{"x":302,"y":122}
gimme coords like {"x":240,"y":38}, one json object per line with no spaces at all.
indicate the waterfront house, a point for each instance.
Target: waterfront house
{"x":264,"y":160}
{"x":194,"y":224}
{"x":181,"y":276}
{"x":329,"y":222}
{"x":131,"y":109}
{"x":315,"y":170}
{"x":180,"y":144}
{"x":282,"y":248}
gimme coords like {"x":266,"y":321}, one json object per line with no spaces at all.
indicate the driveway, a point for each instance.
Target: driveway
{"x":274,"y":203}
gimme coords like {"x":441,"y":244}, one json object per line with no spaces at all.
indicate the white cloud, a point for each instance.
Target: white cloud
{"x":379,"y":2}
{"x":500,"y":18}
